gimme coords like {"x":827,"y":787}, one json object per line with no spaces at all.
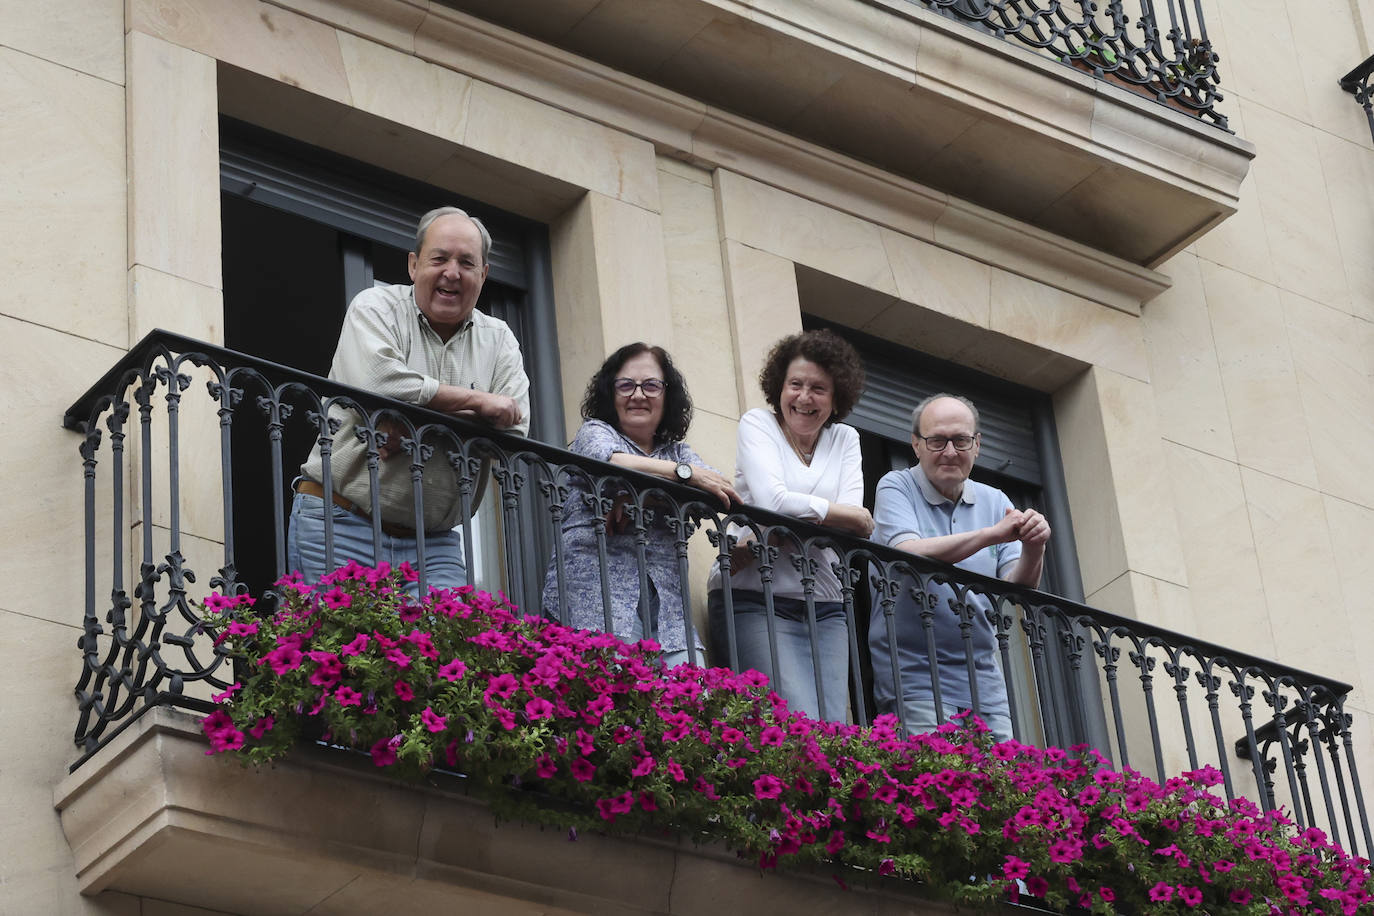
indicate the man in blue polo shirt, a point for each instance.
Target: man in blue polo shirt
{"x":934,"y":510}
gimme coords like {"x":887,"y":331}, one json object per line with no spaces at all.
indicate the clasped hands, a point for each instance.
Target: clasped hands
{"x":1025,"y":525}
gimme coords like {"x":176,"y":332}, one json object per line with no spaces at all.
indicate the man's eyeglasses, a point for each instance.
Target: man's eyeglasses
{"x":652,"y":387}
{"x":938,"y":443}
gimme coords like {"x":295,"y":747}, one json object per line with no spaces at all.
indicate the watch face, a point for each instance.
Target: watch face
{"x":684,"y":471}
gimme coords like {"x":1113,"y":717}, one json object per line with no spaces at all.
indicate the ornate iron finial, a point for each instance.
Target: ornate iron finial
{"x":1356,"y":82}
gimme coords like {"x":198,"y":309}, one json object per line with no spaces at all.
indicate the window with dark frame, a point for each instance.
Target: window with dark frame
{"x":303,"y":230}
{"x":1019,"y":455}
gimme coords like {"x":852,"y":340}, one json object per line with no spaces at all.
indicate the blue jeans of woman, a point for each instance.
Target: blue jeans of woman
{"x":444,"y":566}
{"x":670,"y":659}
{"x":918,"y":715}
{"x":795,"y":679}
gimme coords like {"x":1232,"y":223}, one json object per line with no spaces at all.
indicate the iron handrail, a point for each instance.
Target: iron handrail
{"x":128,"y":667}
{"x":1164,"y":54}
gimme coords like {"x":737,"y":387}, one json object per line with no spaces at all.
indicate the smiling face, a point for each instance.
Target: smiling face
{"x":948,"y":468}
{"x":448,"y":273}
{"x":639,"y":414}
{"x":806,"y":401}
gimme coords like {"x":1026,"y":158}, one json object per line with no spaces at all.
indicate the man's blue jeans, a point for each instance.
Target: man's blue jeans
{"x":353,"y":541}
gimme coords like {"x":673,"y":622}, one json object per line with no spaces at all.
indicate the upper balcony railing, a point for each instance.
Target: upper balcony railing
{"x":1160,"y":50}
{"x":170,"y":435}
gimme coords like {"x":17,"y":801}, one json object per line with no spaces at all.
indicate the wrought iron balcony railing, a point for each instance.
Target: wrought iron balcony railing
{"x":170,"y":435}
{"x":1357,"y":83}
{"x":1160,"y":50}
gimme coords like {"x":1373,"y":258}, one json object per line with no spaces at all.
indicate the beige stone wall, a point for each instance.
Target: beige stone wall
{"x":62,"y":246}
{"x":1261,"y":362}
{"x":1216,"y":438}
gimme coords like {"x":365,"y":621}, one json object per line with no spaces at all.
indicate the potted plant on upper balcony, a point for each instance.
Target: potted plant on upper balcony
{"x":1103,"y":62}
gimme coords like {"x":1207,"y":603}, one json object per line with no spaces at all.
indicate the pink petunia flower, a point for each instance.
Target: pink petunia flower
{"x":432,"y":720}
{"x":502,"y":685}
{"x":582,"y":769}
{"x":454,"y":670}
{"x":357,"y":646}
{"x":384,"y":752}
{"x":539,"y":708}
{"x":237,"y":628}
{"x":1066,"y":850}
{"x":228,"y":694}
{"x":347,"y":696}
{"x":283,"y":659}
{"x":216,"y":602}
{"x":336,"y":598}
{"x":1162,"y":892}
{"x":423,"y":643}
{"x":767,"y":786}
{"x":229,"y":739}
{"x":404,"y":691}
{"x":328,"y":669}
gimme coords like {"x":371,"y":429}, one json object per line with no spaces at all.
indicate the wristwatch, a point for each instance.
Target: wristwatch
{"x":683,"y":471}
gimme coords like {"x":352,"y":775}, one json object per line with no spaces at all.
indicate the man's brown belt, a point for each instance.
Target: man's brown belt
{"x":310,"y":488}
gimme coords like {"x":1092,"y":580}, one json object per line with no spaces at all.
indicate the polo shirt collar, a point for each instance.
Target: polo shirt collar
{"x":934,"y":496}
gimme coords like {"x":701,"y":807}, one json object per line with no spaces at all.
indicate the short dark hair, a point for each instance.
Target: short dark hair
{"x":599,"y":401}
{"x":826,"y":349}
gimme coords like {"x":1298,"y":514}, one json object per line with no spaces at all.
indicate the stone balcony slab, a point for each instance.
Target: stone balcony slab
{"x":322,"y":832}
{"x":895,"y":85}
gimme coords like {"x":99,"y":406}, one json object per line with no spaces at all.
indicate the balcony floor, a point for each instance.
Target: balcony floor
{"x":921,"y":96}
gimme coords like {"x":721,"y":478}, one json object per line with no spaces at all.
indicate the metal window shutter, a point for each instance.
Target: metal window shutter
{"x":895,"y":386}
{"x":296,"y":178}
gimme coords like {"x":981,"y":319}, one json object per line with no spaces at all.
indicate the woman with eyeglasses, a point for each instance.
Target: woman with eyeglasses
{"x":797,"y":460}
{"x":636,"y":413}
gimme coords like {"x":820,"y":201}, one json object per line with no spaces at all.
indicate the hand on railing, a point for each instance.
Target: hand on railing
{"x":854,"y":519}
{"x":714,"y":483}
{"x":499,"y":410}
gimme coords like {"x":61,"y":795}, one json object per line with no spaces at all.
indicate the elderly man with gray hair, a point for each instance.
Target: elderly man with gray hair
{"x":426,"y":344}
{"x":934,"y":510}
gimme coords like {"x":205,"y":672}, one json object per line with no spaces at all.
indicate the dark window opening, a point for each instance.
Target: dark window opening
{"x":1019,"y":455}
{"x":303,"y":231}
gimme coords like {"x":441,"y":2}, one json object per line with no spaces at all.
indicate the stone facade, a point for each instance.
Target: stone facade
{"x":1215,"y":408}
